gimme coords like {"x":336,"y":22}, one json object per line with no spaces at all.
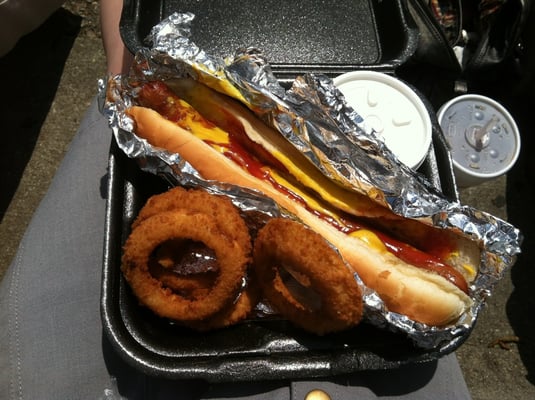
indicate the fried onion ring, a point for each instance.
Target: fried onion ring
{"x":198,"y":284}
{"x":329,"y":298}
{"x":169,"y":225}
{"x":220,"y":208}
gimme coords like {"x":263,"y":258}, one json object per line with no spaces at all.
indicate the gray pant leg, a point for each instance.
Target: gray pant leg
{"x":442,"y":379}
{"x":51,"y":332}
{"x":433,"y":380}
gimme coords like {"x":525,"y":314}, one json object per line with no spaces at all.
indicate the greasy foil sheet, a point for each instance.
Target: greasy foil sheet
{"x":314,"y":117}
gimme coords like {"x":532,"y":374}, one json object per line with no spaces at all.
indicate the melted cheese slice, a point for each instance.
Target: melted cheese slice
{"x":220,"y":140}
{"x":229,"y":115}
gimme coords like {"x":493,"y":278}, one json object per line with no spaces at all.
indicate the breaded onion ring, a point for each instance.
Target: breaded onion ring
{"x":197,"y":285}
{"x":170,"y":225}
{"x":332,"y":300}
{"x":220,"y":208}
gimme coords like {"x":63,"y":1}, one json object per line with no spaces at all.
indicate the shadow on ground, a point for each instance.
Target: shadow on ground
{"x":31,"y":73}
{"x":518,"y":96}
{"x":521,"y":212}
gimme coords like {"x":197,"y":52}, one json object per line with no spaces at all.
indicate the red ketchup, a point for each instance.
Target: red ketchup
{"x":240,"y":149}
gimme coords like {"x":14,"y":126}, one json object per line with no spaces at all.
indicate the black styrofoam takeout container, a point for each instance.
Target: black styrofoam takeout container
{"x":254,"y":350}
{"x":295,"y":36}
{"x":258,"y":349}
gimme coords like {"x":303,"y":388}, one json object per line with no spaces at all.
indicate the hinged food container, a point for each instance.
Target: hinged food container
{"x":296,"y":37}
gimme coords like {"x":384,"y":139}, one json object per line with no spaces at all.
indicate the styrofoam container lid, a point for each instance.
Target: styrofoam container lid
{"x":395,"y":112}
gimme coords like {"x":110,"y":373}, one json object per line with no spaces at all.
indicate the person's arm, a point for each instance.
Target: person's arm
{"x":118,"y":57}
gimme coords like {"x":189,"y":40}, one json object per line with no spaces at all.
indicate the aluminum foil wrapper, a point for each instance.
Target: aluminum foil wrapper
{"x":313,"y":116}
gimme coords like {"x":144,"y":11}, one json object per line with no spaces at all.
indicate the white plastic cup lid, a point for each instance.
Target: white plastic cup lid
{"x":483,"y":137}
{"x":394,"y":111}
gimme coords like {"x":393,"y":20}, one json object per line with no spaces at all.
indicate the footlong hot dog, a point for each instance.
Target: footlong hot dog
{"x":426,"y":280}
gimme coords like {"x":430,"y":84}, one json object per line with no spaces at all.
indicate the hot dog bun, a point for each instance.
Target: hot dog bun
{"x":228,"y":113}
{"x":419,"y":294}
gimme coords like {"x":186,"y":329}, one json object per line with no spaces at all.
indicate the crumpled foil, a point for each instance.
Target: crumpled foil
{"x":314,"y":117}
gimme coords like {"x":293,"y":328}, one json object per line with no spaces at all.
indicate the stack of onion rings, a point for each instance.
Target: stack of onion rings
{"x":295,"y":271}
{"x":207,"y":298}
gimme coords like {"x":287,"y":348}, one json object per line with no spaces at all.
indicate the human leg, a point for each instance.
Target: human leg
{"x":440,"y":379}
{"x":49,"y":297}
